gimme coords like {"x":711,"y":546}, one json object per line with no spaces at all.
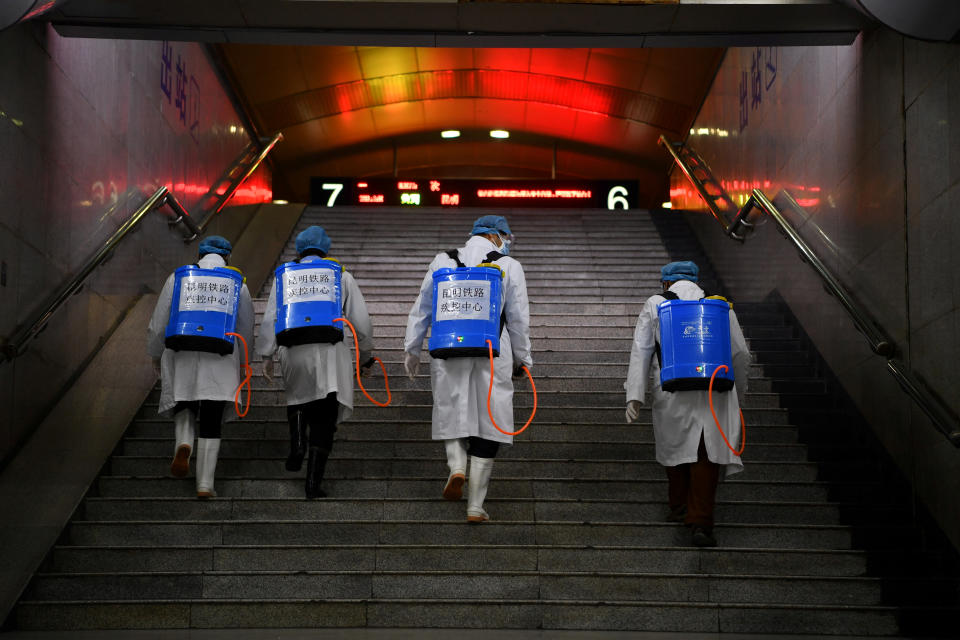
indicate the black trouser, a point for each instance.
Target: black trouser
{"x":321,"y":416}
{"x":209,"y":415}
{"x":695,"y":485}
{"x":480,"y":448}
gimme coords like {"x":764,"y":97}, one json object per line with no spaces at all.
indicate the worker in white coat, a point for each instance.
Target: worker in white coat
{"x":196,"y":385}
{"x":688,"y":443}
{"x":460,"y":384}
{"x":317,"y":376}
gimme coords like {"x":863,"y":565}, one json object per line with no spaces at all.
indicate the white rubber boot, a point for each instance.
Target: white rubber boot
{"x":207,"y":451}
{"x":457,"y":461}
{"x":184,"y":429}
{"x":480,"y":470}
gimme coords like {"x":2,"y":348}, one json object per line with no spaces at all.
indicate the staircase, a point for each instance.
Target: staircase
{"x":814,"y":538}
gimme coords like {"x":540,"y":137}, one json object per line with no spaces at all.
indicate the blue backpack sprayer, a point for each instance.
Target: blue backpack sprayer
{"x":203,"y":313}
{"x":310,"y":309}
{"x":468,"y":318}
{"x":694,"y":349}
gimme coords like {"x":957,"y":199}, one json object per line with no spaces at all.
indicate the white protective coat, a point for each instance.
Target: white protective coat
{"x":460,"y":384}
{"x":681,"y":416}
{"x":312,"y":371}
{"x":197,"y":375}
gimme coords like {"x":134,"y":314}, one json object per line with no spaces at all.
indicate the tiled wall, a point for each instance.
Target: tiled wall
{"x":866,"y":138}
{"x":82,"y":123}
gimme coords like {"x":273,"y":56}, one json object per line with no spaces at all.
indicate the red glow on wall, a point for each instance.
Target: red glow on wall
{"x":254,"y":191}
{"x":407,"y":186}
{"x":370,"y":198}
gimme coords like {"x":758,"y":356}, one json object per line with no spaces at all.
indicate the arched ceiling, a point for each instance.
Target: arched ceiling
{"x":378,"y":111}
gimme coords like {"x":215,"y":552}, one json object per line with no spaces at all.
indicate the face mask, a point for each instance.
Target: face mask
{"x":504,"y":245}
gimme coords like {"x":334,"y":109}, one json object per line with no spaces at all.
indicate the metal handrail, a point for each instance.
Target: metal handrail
{"x":880,"y":342}
{"x":697,"y":184}
{"x":14,"y":345}
{"x":225,"y":197}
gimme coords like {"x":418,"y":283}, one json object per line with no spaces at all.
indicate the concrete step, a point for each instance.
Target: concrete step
{"x":545,"y":381}
{"x":627,"y":533}
{"x":426,"y":584}
{"x":433,"y":510}
{"x":479,"y":613}
{"x":522,"y":449}
{"x":573,"y":414}
{"x":541,"y":431}
{"x":265,"y":398}
{"x":498,"y":557}
{"x":320,"y":532}
{"x":283,"y":484}
{"x":370,"y":466}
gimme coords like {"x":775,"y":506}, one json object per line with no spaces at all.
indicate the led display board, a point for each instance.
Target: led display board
{"x":460,"y":192}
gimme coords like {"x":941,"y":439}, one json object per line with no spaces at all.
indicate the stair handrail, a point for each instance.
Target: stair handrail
{"x":226,"y":195}
{"x":880,"y":341}
{"x":14,"y":345}
{"x":697,"y":184}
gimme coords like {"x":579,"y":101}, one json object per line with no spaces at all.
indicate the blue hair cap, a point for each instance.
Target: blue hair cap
{"x":490,"y":224}
{"x":684,"y":270}
{"x":215,"y":244}
{"x":313,"y":238}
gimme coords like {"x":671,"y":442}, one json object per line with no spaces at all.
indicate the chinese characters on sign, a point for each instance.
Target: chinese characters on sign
{"x":463,"y":301}
{"x":207,"y":293}
{"x":309,"y":285}
{"x":180,"y":90}
{"x":756,"y":80}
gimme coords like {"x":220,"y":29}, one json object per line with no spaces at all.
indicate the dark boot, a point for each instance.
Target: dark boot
{"x":298,"y":441}
{"x":316,"y":463}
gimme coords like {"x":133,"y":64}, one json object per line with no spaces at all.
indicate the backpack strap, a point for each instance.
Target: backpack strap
{"x":455,"y":256}
{"x":669,"y":295}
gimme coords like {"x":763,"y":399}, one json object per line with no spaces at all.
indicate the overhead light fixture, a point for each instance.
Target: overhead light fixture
{"x":281,"y":202}
{"x":667,"y":205}
{"x":450,"y":133}
{"x":499,"y":133}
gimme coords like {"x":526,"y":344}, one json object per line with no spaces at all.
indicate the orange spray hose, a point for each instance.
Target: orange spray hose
{"x":743,"y":440}
{"x":356,"y":350}
{"x":246,"y":381}
{"x":490,"y":391}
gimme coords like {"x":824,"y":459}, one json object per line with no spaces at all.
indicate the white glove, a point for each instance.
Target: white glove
{"x":411,"y":363}
{"x":633,"y":411}
{"x":156,"y":366}
{"x":268,"y":369}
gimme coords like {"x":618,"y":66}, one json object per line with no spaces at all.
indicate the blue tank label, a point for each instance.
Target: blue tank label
{"x":309,"y":285}
{"x":459,"y":302}
{"x":207,"y":293}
